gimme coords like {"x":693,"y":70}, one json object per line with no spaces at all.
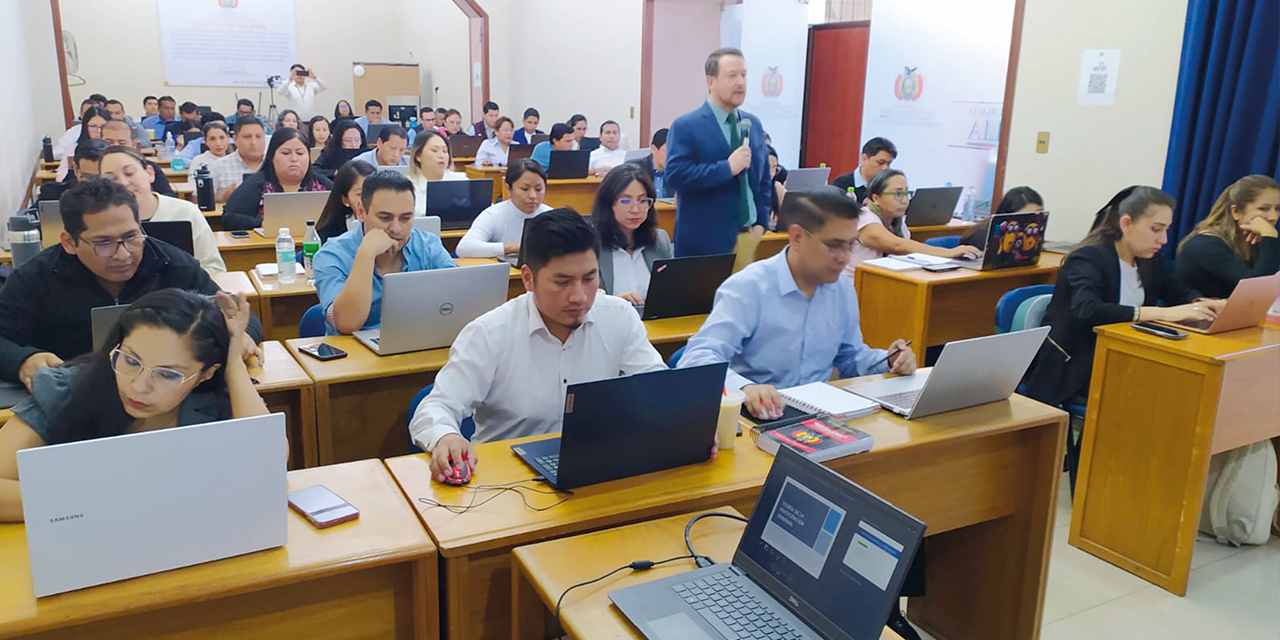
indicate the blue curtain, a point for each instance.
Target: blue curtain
{"x":1226,"y":114}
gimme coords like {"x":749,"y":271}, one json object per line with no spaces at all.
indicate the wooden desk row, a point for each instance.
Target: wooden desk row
{"x":51,"y":175}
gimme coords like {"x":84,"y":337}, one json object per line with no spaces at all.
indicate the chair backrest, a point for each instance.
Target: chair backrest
{"x":312,"y":323}
{"x":945,"y":242}
{"x":1007,"y":305}
{"x":1030,"y":313}
{"x":468,"y":426}
{"x":675,"y":358}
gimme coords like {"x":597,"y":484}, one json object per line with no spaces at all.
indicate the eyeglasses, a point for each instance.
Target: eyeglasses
{"x":900,"y":195}
{"x":108,"y":248}
{"x":836,"y":248}
{"x":644,"y":203}
{"x":126,"y":365}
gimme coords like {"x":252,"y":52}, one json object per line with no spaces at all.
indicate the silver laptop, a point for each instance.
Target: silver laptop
{"x":291,"y":210}
{"x":429,"y":224}
{"x":402,"y":169}
{"x":807,"y":179}
{"x":426,"y":309}
{"x":104,"y":510}
{"x":637,"y":154}
{"x":1246,"y":307}
{"x":968,"y":373}
{"x":102,"y":320}
{"x":50,"y":216}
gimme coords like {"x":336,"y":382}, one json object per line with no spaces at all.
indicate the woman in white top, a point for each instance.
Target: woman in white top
{"x":497,"y":231}
{"x":493,"y":152}
{"x":431,"y":161}
{"x":630,"y":239}
{"x":882,"y":227}
{"x":218,"y":141}
{"x":126,"y":167}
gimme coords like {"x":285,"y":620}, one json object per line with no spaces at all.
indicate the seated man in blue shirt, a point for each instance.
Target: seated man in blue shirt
{"x":349,"y":268}
{"x":787,"y":320}
{"x":561,"y":140}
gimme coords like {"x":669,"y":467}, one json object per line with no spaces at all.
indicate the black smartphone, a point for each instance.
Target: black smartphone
{"x":303,"y":72}
{"x":941,"y":268}
{"x":322,"y":507}
{"x":323,"y":352}
{"x":1158,"y":330}
{"x":240,"y":234}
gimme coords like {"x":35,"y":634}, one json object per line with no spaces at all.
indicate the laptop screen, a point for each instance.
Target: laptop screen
{"x":833,"y":552}
{"x":1015,"y":239}
{"x":458,"y":200}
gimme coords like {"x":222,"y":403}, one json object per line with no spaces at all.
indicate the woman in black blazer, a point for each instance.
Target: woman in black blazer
{"x":1238,"y":240}
{"x":1092,"y":290}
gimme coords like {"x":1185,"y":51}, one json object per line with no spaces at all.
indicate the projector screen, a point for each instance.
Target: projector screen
{"x":226,"y":43}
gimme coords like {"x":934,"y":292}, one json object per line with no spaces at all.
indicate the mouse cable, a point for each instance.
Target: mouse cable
{"x":638,"y":565}
{"x":516,"y":487}
{"x":704,"y":561}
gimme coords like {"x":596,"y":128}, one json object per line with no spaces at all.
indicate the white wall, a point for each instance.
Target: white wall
{"x":1093,"y":151}
{"x":684,"y":32}
{"x":30,"y":77}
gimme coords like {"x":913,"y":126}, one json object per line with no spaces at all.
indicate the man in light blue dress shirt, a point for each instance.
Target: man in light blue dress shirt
{"x":787,"y":320}
{"x":350,"y":267}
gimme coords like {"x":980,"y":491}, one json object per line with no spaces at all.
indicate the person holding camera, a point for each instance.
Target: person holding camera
{"x":300,"y":91}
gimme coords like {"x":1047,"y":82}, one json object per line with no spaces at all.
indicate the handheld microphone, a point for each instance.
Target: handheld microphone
{"x":744,"y":130}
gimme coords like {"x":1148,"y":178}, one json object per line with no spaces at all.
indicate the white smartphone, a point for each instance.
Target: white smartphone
{"x":322,"y":507}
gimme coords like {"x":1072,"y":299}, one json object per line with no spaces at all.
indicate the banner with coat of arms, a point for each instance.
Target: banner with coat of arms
{"x":226,"y":43}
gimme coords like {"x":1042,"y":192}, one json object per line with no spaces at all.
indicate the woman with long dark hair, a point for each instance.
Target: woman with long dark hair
{"x":1237,"y":240}
{"x":346,"y":141}
{"x":286,"y":168}
{"x":288,"y":119}
{"x":344,"y":197}
{"x":342,"y":110}
{"x":498,"y":231}
{"x":318,"y":131}
{"x":630,"y":239}
{"x":430,"y":162}
{"x":1016,"y":200}
{"x":172,"y":360}
{"x":91,"y":123}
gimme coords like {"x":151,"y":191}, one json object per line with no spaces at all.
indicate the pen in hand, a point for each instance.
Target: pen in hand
{"x":893,"y":354}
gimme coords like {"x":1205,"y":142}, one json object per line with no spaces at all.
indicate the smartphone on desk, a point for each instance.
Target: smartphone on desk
{"x":322,"y":507}
{"x":322,"y":352}
{"x":240,"y":235}
{"x":1159,"y":330}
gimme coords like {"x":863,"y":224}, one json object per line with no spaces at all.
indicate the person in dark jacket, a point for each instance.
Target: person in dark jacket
{"x":285,"y":169}
{"x":877,"y":155}
{"x":103,"y":260}
{"x":1238,"y":240}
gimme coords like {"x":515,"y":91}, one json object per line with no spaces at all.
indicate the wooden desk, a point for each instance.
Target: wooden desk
{"x":238,"y":282}
{"x":450,"y":237}
{"x":670,"y":334}
{"x":1157,"y":410}
{"x":515,"y":286}
{"x":45,"y":175}
{"x":460,"y":164}
{"x":932,"y":309}
{"x":6,"y":257}
{"x":286,"y":387}
{"x":984,"y":479}
{"x":372,"y":578}
{"x":541,"y":572}
{"x":243,"y":254}
{"x":496,"y":174}
{"x":956,"y":227}
{"x":666,"y":213}
{"x":283,"y":305}
{"x":771,"y":244}
{"x":578,"y":194}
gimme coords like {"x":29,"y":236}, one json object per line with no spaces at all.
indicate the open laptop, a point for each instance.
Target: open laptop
{"x":458,"y":202}
{"x":569,"y":165}
{"x":102,"y":320}
{"x":426,"y":309}
{"x":539,"y":137}
{"x":429,"y":224}
{"x":175,"y":232}
{"x":402,"y":169}
{"x":518,"y":152}
{"x":1013,"y":240}
{"x":932,"y":205}
{"x":103,"y":510}
{"x":1246,"y":307}
{"x":461,"y":146}
{"x":968,"y":373}
{"x":684,"y":286}
{"x":589,"y":144}
{"x":50,"y":216}
{"x":634,"y":155}
{"x":375,"y":130}
{"x":613,"y":429}
{"x":291,"y":210}
{"x":807,"y":179}
{"x":821,"y":557}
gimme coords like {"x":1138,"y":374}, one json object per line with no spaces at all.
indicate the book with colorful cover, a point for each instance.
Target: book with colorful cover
{"x":819,"y":438}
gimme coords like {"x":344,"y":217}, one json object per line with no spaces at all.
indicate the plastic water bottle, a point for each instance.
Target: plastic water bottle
{"x":852,"y":193}
{"x":169,"y":146}
{"x":970,"y":200}
{"x":310,"y":246}
{"x":286,"y":257}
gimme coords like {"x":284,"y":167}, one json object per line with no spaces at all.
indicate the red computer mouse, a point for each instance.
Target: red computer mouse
{"x":461,"y":473}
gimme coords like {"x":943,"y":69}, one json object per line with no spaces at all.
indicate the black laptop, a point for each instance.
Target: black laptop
{"x":820,"y":558}
{"x":615,"y":429}
{"x":569,"y":165}
{"x":175,"y":232}
{"x":518,"y":152}
{"x":458,"y":202}
{"x":932,"y":206}
{"x":589,"y":144}
{"x":684,"y":286}
{"x":461,"y":146}
{"x":375,"y":130}
{"x":539,"y":137}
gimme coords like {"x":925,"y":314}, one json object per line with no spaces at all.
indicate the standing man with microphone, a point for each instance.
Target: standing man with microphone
{"x":719,"y":167}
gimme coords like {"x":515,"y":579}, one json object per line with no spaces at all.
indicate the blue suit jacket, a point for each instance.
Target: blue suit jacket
{"x":707,"y":192}
{"x":519,"y":138}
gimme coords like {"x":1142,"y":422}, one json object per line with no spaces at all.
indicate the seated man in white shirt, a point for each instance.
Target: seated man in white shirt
{"x":610,"y":152}
{"x":393,"y":141}
{"x":511,"y":366}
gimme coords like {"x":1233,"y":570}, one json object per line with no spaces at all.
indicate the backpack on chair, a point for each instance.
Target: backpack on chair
{"x":1241,"y":495}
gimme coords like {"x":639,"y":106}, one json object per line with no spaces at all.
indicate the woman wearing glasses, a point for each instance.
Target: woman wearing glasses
{"x":882,"y":226}
{"x":630,"y":239}
{"x":172,"y":360}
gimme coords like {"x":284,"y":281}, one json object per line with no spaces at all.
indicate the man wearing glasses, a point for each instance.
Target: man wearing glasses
{"x":104,"y":259}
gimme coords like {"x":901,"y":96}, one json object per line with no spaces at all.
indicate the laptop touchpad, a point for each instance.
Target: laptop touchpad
{"x":676,"y":627}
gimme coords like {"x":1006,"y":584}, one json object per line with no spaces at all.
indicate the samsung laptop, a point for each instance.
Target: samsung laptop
{"x":175,"y":232}
{"x":1246,"y":307}
{"x":821,"y":557}
{"x":568,"y":165}
{"x":807,"y":179}
{"x":426,"y":309}
{"x":932,"y":205}
{"x":518,"y":152}
{"x":614,"y":429}
{"x":458,"y":202}
{"x":968,"y":373}
{"x":291,"y":210}
{"x":1013,"y":240}
{"x":461,"y":146}
{"x":429,"y":224}
{"x":103,"y":510}
{"x":684,"y":286}
{"x":50,"y":217}
{"x":102,"y":320}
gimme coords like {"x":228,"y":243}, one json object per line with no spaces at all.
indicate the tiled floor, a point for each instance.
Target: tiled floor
{"x":1234,"y":593}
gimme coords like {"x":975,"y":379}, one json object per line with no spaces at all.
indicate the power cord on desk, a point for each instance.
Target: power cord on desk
{"x":704,"y":561}
{"x":515,"y":487}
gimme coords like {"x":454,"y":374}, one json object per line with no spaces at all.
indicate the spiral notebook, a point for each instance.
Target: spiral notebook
{"x":820,"y":397}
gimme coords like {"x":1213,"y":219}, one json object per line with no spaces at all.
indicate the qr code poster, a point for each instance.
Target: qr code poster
{"x":1098,"y":71}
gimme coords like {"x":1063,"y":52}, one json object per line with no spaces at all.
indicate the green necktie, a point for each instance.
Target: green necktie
{"x":735,"y":141}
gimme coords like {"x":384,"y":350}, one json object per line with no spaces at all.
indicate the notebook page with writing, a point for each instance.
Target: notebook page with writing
{"x":820,"y":397}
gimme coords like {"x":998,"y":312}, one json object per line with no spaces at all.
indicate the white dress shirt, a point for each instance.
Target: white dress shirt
{"x":492,"y":151}
{"x":500,"y":224}
{"x":602,"y":157}
{"x":507,"y":369}
{"x":302,"y":99}
{"x":630,"y":272}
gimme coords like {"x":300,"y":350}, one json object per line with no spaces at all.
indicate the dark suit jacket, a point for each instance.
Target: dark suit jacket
{"x":845,"y":181}
{"x":519,"y":137}
{"x":646,"y":163}
{"x":707,"y":192}
{"x":1087,"y":295}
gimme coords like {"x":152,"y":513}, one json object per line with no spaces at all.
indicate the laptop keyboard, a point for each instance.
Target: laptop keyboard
{"x":732,"y":610}
{"x":903,"y":399}
{"x":550,"y":463}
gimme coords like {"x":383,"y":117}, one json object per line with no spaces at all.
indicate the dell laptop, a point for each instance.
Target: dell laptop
{"x":968,"y":373}
{"x":932,"y":206}
{"x":684,"y":286}
{"x":1013,"y":240}
{"x":614,"y":429}
{"x":426,"y":309}
{"x":1246,"y":307}
{"x":290,"y":210}
{"x":820,"y":558}
{"x":175,"y":232}
{"x":458,"y":202}
{"x":807,"y":179}
{"x":464,"y":147}
{"x":103,"y":510}
{"x":568,"y":165}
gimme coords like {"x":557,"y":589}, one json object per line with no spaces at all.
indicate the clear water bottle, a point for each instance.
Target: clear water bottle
{"x":970,"y":201}
{"x":286,"y":257}
{"x":169,"y":146}
{"x":852,"y":193}
{"x":310,"y":246}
